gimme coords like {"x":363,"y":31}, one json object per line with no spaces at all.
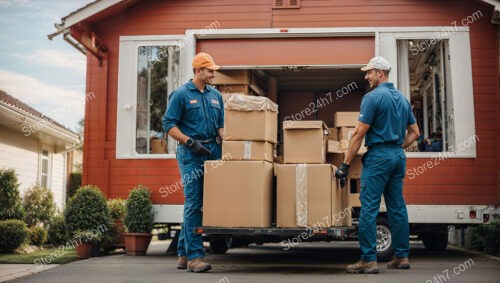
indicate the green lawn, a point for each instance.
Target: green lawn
{"x":49,"y":256}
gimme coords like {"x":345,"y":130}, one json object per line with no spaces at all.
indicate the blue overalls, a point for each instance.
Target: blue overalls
{"x":199,"y":116}
{"x":388,"y":113}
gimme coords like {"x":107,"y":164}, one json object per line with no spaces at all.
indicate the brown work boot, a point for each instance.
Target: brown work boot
{"x":399,"y":263}
{"x":182,"y":262}
{"x":198,"y":265}
{"x":363,"y":267}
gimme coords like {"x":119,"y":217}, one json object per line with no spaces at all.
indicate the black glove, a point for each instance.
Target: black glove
{"x":197,"y":147}
{"x":342,"y":173}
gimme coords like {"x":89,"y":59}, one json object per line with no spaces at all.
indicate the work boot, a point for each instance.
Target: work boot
{"x":198,"y":265}
{"x":399,"y":263}
{"x":182,"y":262}
{"x":363,"y":267}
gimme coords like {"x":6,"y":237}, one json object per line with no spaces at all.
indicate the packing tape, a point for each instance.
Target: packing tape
{"x":301,"y":194}
{"x":248,"y":150}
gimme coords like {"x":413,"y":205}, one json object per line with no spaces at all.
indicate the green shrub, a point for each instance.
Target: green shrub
{"x":38,"y":204}
{"x":10,"y":198}
{"x":139,"y":211}
{"x":75,"y":181}
{"x":117,"y":208}
{"x":484,"y":238}
{"x":57,"y":231}
{"x":492,"y":238}
{"x":86,"y":210}
{"x":37,"y":235}
{"x":13,"y":233}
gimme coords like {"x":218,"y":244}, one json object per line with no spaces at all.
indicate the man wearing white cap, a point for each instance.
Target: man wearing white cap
{"x":384,"y":118}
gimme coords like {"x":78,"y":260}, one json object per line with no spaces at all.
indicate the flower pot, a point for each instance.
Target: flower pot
{"x":95,"y":249}
{"x":137,"y":243}
{"x":83,"y":250}
{"x":118,"y":240}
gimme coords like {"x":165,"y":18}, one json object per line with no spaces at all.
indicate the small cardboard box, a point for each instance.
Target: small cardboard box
{"x":304,"y":193}
{"x":304,"y":142}
{"x":356,"y":164}
{"x":248,"y":150}
{"x":332,"y":135}
{"x":158,"y":145}
{"x":344,"y":135}
{"x":238,"y":194}
{"x":345,"y":119}
{"x":335,"y":147}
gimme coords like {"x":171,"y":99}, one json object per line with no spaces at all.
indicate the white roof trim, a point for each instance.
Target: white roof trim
{"x":82,"y":14}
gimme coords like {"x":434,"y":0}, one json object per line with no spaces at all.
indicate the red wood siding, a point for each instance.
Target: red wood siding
{"x":454,"y":181}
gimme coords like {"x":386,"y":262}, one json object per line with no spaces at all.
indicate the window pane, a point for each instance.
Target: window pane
{"x":45,"y":166}
{"x":158,"y":75}
{"x":44,"y":181}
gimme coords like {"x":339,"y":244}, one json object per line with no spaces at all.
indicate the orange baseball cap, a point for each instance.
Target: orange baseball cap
{"x":203,"y":60}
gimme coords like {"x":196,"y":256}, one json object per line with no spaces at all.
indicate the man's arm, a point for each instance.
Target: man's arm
{"x":411,"y":135}
{"x":178,"y":135}
{"x":356,"y":141}
{"x":221,"y":132}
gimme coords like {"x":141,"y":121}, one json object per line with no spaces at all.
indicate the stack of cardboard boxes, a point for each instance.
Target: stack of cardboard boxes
{"x":238,"y":190}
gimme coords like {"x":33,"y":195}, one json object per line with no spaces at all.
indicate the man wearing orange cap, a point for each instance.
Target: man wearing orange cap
{"x":195,"y":118}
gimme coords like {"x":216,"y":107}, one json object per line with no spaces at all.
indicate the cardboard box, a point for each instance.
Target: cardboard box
{"x":345,"y":133}
{"x":304,"y":142}
{"x":250,"y":126}
{"x":158,"y":145}
{"x":248,"y":150}
{"x":356,"y":164}
{"x":232,"y":77}
{"x":238,"y":194}
{"x":332,"y":135}
{"x":345,"y":119}
{"x":304,"y":193}
{"x":334,"y":147}
{"x":341,"y":211}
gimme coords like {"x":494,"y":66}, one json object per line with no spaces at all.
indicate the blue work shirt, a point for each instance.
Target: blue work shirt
{"x":198,"y":115}
{"x":388,"y":113}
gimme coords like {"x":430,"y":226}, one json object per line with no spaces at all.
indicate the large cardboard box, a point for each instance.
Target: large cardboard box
{"x":250,"y":118}
{"x":232,"y":77}
{"x":304,"y":142}
{"x":248,"y":150}
{"x":332,"y":135}
{"x":356,"y":164}
{"x":238,"y":194}
{"x":341,"y":209}
{"x":304,"y":193}
{"x":345,"y":119}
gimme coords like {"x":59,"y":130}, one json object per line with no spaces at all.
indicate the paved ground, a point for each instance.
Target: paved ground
{"x":308,"y":262}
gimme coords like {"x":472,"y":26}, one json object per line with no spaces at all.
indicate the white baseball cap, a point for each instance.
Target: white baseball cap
{"x":377,"y":62}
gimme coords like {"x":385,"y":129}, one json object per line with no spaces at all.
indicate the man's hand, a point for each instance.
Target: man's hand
{"x":342,"y":173}
{"x":197,"y":147}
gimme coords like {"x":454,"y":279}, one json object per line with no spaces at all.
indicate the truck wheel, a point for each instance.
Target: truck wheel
{"x":220,"y":245}
{"x":385,"y":249}
{"x":436,"y":240}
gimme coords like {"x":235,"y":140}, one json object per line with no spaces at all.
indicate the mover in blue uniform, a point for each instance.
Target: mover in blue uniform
{"x":195,"y":118}
{"x":387,"y":123}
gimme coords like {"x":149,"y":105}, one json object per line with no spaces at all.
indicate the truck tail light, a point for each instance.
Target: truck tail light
{"x":486,"y":218}
{"x":472,"y":214}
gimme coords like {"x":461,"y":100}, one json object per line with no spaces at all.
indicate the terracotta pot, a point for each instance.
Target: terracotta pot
{"x":83,"y":250}
{"x":137,"y":243}
{"x":118,"y":240}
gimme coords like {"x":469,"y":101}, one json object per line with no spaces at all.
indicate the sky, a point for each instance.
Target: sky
{"x":47,"y":75}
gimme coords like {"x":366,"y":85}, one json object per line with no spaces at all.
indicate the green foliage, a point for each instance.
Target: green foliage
{"x":86,"y":210}
{"x":57,"y":231}
{"x":484,"y":238}
{"x":492,"y":238}
{"x":75,"y":181}
{"x":13,"y":233}
{"x":38,"y":236}
{"x":139,"y":211}
{"x":117,"y":208}
{"x":87,"y":236}
{"x":38,"y":205}
{"x":10,"y":198}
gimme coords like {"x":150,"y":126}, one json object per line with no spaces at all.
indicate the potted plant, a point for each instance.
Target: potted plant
{"x":117,"y":212}
{"x":138,"y":221}
{"x":87,"y":243}
{"x":87,"y":212}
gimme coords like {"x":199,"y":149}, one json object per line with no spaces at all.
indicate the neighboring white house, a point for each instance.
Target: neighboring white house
{"x":37,"y":147}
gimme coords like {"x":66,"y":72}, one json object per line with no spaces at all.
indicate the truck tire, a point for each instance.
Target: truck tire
{"x":385,"y":249}
{"x":436,"y":239}
{"x":220,"y":245}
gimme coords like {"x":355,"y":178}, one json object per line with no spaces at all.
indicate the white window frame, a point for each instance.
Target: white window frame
{"x":461,"y":84}
{"x":127,"y":91}
{"x":49,"y":166}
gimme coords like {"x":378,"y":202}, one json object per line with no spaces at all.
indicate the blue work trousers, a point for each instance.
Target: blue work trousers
{"x":384,"y":167}
{"x":192,"y":173}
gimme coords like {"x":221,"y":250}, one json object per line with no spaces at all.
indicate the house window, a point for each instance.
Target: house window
{"x":149,"y":70}
{"x":433,"y":69}
{"x":286,"y":4}
{"x":45,"y":170}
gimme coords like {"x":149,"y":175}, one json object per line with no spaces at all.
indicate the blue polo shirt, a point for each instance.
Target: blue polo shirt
{"x":388,"y":113}
{"x":197,"y":114}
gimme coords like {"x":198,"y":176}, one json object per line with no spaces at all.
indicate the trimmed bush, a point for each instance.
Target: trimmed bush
{"x":9,"y":196}
{"x":38,"y":236}
{"x":492,"y":238}
{"x":86,"y":210}
{"x":117,"y":208}
{"x":57,"y":233}
{"x":484,"y":238}
{"x":139,"y":211}
{"x":38,"y":205}
{"x":13,"y":233}
{"x":75,"y":181}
